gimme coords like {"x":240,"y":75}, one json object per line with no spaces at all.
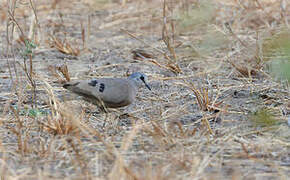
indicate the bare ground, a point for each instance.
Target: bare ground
{"x":197,"y":122}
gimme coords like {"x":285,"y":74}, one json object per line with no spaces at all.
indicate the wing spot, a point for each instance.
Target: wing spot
{"x":93,"y":83}
{"x":102,"y":87}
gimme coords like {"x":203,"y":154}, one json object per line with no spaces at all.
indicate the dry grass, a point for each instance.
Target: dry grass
{"x":218,"y":70}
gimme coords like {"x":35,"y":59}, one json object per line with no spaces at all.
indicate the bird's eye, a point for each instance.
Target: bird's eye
{"x":142,"y":78}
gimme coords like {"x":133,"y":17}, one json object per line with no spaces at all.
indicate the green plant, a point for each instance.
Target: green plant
{"x":263,"y":117}
{"x":29,"y":46}
{"x":276,"y":51}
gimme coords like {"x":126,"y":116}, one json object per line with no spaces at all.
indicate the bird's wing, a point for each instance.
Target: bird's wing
{"x":116,"y":91}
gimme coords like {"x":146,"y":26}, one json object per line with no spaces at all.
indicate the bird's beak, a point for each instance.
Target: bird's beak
{"x":146,"y":84}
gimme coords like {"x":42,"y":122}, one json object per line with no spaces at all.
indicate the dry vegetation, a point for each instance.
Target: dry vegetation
{"x":219,"y":71}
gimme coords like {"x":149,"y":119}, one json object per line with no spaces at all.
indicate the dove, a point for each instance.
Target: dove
{"x":109,"y":92}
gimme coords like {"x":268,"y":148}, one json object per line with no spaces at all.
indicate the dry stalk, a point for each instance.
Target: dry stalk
{"x":61,"y":121}
{"x":60,"y":72}
{"x":245,"y":71}
{"x":79,"y":156}
{"x":28,"y":53}
{"x":179,"y":126}
{"x":119,"y":164}
{"x":207,"y":125}
{"x":9,"y":38}
{"x":130,"y":173}
{"x":64,"y":46}
{"x":204,"y":102}
{"x":142,"y":41}
{"x":227,"y":25}
{"x":201,"y":96}
{"x":140,"y":54}
{"x":19,"y":131}
{"x":168,"y":40}
{"x":172,"y":66}
{"x":21,"y":128}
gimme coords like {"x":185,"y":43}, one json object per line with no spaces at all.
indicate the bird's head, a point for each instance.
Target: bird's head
{"x":139,"y":78}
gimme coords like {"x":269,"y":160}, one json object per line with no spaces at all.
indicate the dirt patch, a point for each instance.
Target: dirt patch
{"x":208,"y":78}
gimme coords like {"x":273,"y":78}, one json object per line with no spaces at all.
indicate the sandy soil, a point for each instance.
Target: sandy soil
{"x":167,"y":133}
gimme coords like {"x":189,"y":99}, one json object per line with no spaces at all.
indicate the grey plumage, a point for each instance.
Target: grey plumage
{"x":113,"y":92}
